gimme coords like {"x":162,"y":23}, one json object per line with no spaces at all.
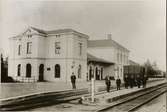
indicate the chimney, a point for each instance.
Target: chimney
{"x":109,"y":36}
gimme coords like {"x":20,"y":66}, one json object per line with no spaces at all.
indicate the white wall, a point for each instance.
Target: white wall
{"x":43,"y":52}
{"x":106,"y":53}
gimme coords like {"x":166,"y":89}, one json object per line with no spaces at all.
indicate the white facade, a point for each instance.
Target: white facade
{"x":112,"y":52}
{"x":59,"y":48}
{"x":38,"y":55}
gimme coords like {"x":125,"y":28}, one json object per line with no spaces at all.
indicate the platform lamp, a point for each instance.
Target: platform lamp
{"x":92,"y":89}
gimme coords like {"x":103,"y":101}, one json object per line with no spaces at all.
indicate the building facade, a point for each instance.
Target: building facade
{"x":114,"y":56}
{"x":38,"y":55}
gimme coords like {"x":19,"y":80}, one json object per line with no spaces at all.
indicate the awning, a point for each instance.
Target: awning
{"x":93,"y":58}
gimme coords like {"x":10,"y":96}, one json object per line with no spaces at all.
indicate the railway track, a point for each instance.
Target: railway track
{"x":42,"y":100}
{"x":46,"y":99}
{"x":135,"y":101}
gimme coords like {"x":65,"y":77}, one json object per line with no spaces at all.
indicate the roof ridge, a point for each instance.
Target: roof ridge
{"x":39,"y":30}
{"x":111,"y":41}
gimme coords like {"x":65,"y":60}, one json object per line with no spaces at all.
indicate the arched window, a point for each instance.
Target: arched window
{"x":97,"y":75}
{"x":90,"y":73}
{"x":57,"y":71}
{"x":79,"y":71}
{"x":18,"y":69}
{"x":28,"y":70}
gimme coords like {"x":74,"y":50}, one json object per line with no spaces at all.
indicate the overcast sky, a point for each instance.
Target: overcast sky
{"x":139,"y":25}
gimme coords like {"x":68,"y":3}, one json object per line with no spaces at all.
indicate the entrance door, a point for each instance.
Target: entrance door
{"x":41,"y":72}
{"x":28,"y":70}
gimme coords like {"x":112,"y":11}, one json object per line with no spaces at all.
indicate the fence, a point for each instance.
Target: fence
{"x":26,"y":79}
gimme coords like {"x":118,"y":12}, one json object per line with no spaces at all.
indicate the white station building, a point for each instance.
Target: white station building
{"x":38,"y":55}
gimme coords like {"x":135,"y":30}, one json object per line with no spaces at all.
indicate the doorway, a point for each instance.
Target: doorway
{"x":41,"y":72}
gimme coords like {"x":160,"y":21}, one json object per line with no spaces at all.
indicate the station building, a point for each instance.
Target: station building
{"x":110,"y":58}
{"x":38,"y":55}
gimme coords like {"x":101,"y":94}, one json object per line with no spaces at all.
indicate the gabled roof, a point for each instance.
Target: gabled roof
{"x":64,"y":31}
{"x":51,"y":32}
{"x":105,"y":43}
{"x":133,"y":62}
{"x":38,"y":30}
{"x":90,"y":57}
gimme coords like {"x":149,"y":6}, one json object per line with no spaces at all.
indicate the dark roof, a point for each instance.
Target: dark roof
{"x":133,"y":62}
{"x":105,"y":43}
{"x":90,"y":57}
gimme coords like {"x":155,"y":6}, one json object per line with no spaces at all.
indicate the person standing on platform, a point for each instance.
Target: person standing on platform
{"x":108,"y":83}
{"x":118,"y":83}
{"x":126,"y":81}
{"x":138,"y":80}
{"x":131,"y":81}
{"x":144,"y":81}
{"x":73,"y":80}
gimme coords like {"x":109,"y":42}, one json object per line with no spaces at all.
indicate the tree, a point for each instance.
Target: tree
{"x":151,"y":72}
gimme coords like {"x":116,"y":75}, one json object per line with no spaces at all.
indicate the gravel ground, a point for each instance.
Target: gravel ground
{"x":156,"y":105}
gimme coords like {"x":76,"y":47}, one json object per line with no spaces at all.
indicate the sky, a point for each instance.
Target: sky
{"x":139,"y":25}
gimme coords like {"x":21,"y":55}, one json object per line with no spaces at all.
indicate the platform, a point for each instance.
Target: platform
{"x":101,"y":103}
{"x":14,"y":90}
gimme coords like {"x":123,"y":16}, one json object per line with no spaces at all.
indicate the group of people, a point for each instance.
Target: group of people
{"x":108,"y":83}
{"x":132,"y":81}
{"x":128,"y":81}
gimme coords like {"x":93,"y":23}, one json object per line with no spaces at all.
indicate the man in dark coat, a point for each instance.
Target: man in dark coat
{"x":108,"y":83}
{"x":138,"y":80}
{"x":126,"y":81}
{"x":144,"y":81}
{"x":73,"y":79}
{"x":131,"y":81}
{"x":118,"y":82}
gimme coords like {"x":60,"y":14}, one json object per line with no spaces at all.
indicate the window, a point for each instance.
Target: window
{"x":97,"y":74}
{"x":57,"y":71}
{"x":29,"y":36}
{"x":90,"y":73}
{"x":121,"y":57}
{"x":18,"y":69}
{"x":79,"y":71}
{"x":57,"y":47}
{"x":19,"y":50}
{"x":57,"y":35}
{"x":117,"y":57}
{"x":29,"y":47}
{"x":80,"y":49}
